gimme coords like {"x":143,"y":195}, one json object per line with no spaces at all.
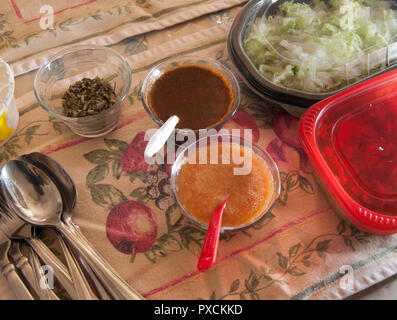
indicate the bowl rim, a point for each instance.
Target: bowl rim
{"x":178,"y":164}
{"x":76,"y":49}
{"x":10,"y":94}
{"x":211,"y":61}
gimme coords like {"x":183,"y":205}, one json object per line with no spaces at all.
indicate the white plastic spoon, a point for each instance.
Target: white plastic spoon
{"x":160,"y":137}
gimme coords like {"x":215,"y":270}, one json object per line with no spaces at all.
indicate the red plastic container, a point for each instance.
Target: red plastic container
{"x":351,"y":141}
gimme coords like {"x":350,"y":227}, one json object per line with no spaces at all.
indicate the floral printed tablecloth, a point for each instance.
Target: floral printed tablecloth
{"x":301,"y":250}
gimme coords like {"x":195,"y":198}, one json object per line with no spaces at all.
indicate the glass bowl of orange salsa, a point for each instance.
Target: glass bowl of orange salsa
{"x":220,"y":167}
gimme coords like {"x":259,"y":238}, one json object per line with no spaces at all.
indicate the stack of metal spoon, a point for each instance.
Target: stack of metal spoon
{"x":37,"y":192}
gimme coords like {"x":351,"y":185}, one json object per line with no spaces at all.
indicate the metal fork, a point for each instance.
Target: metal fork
{"x":8,"y":270}
{"x":15,"y":228}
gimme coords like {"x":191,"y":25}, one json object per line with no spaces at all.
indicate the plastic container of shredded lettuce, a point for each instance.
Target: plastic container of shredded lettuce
{"x":301,"y":52}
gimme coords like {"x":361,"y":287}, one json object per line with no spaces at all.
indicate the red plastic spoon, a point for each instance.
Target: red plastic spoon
{"x":211,"y":241}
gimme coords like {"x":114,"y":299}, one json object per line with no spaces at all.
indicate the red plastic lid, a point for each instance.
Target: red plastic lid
{"x":351,"y":141}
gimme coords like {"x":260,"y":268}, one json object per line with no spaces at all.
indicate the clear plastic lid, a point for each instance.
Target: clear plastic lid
{"x":351,"y":141}
{"x":320,"y":47}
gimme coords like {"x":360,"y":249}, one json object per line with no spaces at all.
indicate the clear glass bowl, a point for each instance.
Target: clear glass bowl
{"x":71,"y":65}
{"x":191,"y":150}
{"x":172,"y":63}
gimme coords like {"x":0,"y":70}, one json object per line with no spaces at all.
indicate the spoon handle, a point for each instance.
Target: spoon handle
{"x":60,"y":270}
{"x":211,"y":241}
{"x":44,"y":293}
{"x":101,"y":291}
{"x":22,"y":263}
{"x":116,"y":286}
{"x":83,"y":289}
{"x":160,"y":137}
{"x":18,"y":287}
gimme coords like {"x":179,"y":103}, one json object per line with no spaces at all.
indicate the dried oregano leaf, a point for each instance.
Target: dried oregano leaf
{"x":87,"y":97}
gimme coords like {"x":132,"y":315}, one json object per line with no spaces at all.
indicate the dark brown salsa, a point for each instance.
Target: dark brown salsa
{"x":199,"y":96}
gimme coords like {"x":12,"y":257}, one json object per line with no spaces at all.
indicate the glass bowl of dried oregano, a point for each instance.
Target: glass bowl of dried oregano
{"x":84,"y":86}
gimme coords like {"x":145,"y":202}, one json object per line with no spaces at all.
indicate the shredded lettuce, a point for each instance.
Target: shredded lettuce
{"x":322,"y":46}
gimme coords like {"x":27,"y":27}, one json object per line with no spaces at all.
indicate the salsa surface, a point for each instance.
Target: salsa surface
{"x":203,"y":187}
{"x":199,"y":96}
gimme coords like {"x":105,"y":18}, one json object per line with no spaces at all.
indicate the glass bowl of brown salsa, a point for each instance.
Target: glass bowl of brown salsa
{"x":202,"y":92}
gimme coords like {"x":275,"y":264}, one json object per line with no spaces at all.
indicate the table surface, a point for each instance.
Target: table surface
{"x":298,"y":250}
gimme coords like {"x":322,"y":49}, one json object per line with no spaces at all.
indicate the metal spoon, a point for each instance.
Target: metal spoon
{"x":68,"y":192}
{"x":36,"y":199}
{"x":18,"y":229}
{"x":60,"y":177}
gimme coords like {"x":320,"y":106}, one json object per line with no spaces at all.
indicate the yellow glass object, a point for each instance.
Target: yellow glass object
{"x":5,"y":130}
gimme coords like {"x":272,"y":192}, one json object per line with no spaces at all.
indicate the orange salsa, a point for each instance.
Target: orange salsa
{"x":203,"y":187}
